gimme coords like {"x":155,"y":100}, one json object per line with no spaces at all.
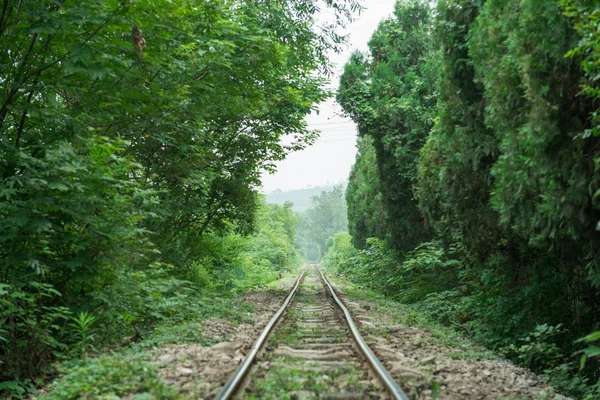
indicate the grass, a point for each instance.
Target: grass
{"x":281,"y":382}
{"x":287,"y":332}
{"x":111,"y":377}
{"x":288,"y":377}
{"x":411,"y":315}
{"x":128,"y":371}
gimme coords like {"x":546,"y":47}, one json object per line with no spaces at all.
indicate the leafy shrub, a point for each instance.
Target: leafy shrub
{"x":427,"y":269}
{"x":106,"y":147}
{"x":447,"y":307}
{"x":391,"y":95}
{"x":535,"y":350}
{"x":340,"y":255}
{"x":325,"y":217}
{"x":378,"y":266}
{"x":509,"y":169}
{"x":84,"y":332}
{"x":110,"y":377}
{"x":366,"y":211}
{"x":539,"y":351}
{"x":565,"y":378}
{"x":31,"y":330}
{"x":592,"y":350}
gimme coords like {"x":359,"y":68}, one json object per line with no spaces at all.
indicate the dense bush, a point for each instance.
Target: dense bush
{"x":132,"y":143}
{"x":390,"y":94}
{"x":366,"y":212}
{"x":134,"y":303}
{"x":325,"y":217}
{"x":507,"y":166}
{"x":377,"y":266}
{"x":438,"y":284}
{"x":370,"y":267}
{"x":505,"y":169}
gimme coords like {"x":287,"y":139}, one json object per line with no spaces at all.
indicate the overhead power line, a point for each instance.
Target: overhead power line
{"x":348,"y":134}
{"x":336,"y":140}
{"x":349,"y":121}
{"x":339,"y":129}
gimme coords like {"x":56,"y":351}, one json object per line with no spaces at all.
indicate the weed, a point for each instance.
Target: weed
{"x":110,"y":377}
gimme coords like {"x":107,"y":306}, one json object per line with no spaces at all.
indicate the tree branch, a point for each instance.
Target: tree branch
{"x":23,"y":117}
{"x":4,"y":14}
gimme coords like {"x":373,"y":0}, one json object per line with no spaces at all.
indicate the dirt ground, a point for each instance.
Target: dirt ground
{"x":199,"y":371}
{"x":427,"y":369}
{"x":422,"y":365}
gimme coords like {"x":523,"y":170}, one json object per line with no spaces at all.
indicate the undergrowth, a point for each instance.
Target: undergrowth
{"x":127,"y":371}
{"x":43,"y":326}
{"x":110,"y":377}
{"x":428,"y":288}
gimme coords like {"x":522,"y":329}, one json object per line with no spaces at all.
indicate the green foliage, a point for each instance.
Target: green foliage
{"x":539,"y":351}
{"x":507,"y":166}
{"x":412,"y":279}
{"x":453,"y":171}
{"x":273,"y":243}
{"x":326,"y":217}
{"x":301,"y":198}
{"x":366,"y":212}
{"x":438,"y":289}
{"x":578,"y":386}
{"x":535,"y":348}
{"x":53,"y":214}
{"x":17,"y":389}
{"x":450,"y":308}
{"x":140,"y":301}
{"x":120,"y":161}
{"x":408,"y":279}
{"x":507,"y":172}
{"x":592,"y":350}
{"x":82,"y":327}
{"x":536,"y":115}
{"x":235,"y":262}
{"x":110,"y":377}
{"x":128,"y":371}
{"x":182,"y":325}
{"x":340,"y":254}
{"x":391,"y":96}
{"x":374,"y":266}
{"x":586,"y":17}
{"x":31,"y":329}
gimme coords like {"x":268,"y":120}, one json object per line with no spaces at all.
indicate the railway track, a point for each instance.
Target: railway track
{"x":311,"y":348}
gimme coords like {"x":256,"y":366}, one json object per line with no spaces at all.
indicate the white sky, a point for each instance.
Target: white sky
{"x":329,"y":160}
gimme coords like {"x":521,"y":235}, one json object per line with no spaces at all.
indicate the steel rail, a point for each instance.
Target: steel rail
{"x":383,"y":374}
{"x":238,"y":376}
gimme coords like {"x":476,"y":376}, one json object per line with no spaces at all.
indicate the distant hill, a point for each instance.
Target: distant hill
{"x":300,"y":197}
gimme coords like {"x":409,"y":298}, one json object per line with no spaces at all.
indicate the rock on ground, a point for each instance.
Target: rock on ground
{"x":427,"y":369}
{"x":198,"y":371}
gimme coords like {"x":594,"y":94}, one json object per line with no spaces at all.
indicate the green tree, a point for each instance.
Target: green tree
{"x":507,"y":172}
{"x":453,"y":172}
{"x":326,"y":217}
{"x":366,"y":213}
{"x":273,"y":242}
{"x":488,"y":113}
{"x":129,"y":135}
{"x":391,"y":96}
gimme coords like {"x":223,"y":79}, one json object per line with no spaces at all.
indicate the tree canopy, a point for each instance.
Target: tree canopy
{"x":134,"y":133}
{"x":484,"y":119}
{"x":390,"y":94}
{"x":326,"y":217}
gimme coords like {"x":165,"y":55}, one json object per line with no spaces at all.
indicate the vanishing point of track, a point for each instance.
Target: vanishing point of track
{"x":315,"y":351}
